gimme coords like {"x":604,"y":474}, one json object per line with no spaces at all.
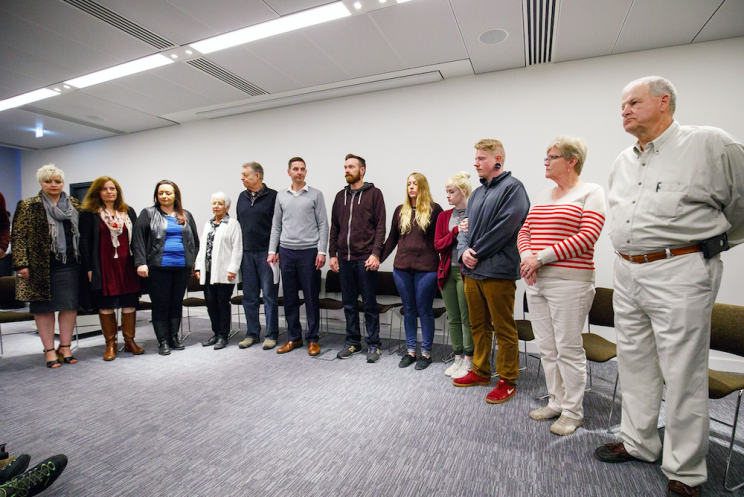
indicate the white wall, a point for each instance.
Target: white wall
{"x":430,"y":129}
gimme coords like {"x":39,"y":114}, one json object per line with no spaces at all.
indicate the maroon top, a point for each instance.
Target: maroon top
{"x":118,"y":275}
{"x":416,"y":250}
{"x":444,"y":241}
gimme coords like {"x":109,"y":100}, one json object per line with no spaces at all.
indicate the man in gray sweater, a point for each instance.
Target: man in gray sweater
{"x":299,"y":243}
{"x":487,"y":244}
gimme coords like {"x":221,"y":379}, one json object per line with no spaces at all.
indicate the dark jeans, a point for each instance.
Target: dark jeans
{"x":355,"y":280}
{"x":257,"y":278}
{"x":298,"y":272}
{"x":167,"y":287}
{"x":417,"y":292}
{"x":218,"y":306}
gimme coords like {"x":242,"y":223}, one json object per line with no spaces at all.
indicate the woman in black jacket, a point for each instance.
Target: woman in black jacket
{"x":165,"y":246}
{"x":106,"y":248}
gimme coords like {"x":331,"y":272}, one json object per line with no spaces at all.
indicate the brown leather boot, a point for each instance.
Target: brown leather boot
{"x":128,"y":320}
{"x":109,"y":328}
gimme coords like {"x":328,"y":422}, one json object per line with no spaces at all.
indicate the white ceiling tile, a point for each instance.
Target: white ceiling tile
{"x":297,"y":57}
{"x":284,"y":7}
{"x":163,"y":18}
{"x":72,"y":57}
{"x":248,"y":66}
{"x":70,"y":22}
{"x":17,"y":127}
{"x":727,"y":22}
{"x":143,"y":102}
{"x":477,"y":16}
{"x":227,"y":15}
{"x":587,"y":28}
{"x":13,"y":83}
{"x":663,"y":23}
{"x":356,"y":45}
{"x":423,"y":33}
{"x":31,"y":66}
{"x":88,"y":108}
{"x":200,"y":82}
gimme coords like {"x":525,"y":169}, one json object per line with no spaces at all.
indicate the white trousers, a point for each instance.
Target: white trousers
{"x":558,"y":310}
{"x":662,"y":319}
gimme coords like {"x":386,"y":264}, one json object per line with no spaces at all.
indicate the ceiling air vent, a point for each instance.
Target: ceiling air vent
{"x":540,"y":18}
{"x":226,"y":77}
{"x":112,"y":18}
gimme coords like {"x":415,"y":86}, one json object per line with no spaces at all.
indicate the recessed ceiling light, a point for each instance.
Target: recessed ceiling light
{"x":39,"y":130}
{"x":174,"y":56}
{"x":274,"y":27}
{"x":403,"y":1}
{"x":57,"y":89}
{"x":493,"y":36}
{"x":67,"y":86}
{"x":383,"y":1}
{"x":120,"y":71}
{"x":189,"y":52}
{"x":357,"y":5}
{"x":26,"y":98}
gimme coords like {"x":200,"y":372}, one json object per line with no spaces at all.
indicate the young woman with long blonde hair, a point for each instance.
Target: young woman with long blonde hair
{"x":415,"y":265}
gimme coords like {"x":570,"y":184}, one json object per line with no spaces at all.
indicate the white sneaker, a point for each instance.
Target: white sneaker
{"x":544,"y":413}
{"x":565,"y":425}
{"x":455,"y":366}
{"x":465,"y":366}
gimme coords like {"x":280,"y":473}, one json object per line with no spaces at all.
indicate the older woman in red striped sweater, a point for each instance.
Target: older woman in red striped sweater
{"x":556,"y":245}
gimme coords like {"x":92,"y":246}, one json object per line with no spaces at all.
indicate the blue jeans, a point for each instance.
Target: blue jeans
{"x":257,"y":277}
{"x":417,"y":292}
{"x":355,"y":280}
{"x":299,"y":273}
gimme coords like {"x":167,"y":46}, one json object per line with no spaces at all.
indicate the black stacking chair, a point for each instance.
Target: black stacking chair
{"x":9,"y":306}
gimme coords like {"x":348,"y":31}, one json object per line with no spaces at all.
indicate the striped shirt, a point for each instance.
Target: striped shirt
{"x":563,"y":232}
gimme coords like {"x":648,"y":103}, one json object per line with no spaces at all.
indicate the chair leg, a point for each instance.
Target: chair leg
{"x":1,"y":342}
{"x":612,"y":405}
{"x":731,"y":449}
{"x":589,"y":373}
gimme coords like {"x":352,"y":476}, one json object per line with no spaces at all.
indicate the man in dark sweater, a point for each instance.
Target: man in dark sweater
{"x":4,"y":228}
{"x":357,"y":237}
{"x":487,"y":243}
{"x":255,"y":212}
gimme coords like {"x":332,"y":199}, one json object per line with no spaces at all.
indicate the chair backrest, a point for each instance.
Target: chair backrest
{"x":333,"y":283}
{"x":602,"y":313}
{"x":386,"y":284}
{"x":194,"y":285}
{"x":727,"y":329}
{"x":7,"y":294}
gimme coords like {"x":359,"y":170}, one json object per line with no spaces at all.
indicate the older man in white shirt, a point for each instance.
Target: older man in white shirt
{"x":675,"y":196}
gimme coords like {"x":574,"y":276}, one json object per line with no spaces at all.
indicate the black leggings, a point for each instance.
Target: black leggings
{"x":167,"y":287}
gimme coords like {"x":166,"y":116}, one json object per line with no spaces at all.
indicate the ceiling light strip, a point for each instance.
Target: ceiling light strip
{"x":274,"y":27}
{"x":120,"y":71}
{"x":26,"y":98}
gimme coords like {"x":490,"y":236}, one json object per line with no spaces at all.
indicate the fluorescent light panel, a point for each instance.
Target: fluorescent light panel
{"x":274,"y":27}
{"x":26,"y":98}
{"x":120,"y":71}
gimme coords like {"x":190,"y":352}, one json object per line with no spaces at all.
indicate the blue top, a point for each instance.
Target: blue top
{"x":173,"y":251}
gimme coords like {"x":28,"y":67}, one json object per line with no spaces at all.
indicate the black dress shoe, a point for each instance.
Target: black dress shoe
{"x":614,"y":453}
{"x":211,"y":341}
{"x":221,"y":343}
{"x":675,"y":488}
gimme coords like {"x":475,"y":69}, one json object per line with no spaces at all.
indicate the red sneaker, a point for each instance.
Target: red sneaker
{"x":471,"y":380}
{"x":501,"y":393}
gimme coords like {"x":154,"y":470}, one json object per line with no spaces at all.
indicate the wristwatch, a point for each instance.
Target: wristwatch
{"x":539,"y":261}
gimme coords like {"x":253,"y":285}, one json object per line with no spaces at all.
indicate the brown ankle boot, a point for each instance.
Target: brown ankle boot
{"x":128,"y":321}
{"x":109,"y":328}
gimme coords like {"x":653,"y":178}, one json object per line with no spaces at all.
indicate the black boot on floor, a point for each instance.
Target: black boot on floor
{"x":221,"y":343}
{"x":35,"y":480}
{"x":162,"y":333}
{"x":173,"y":341}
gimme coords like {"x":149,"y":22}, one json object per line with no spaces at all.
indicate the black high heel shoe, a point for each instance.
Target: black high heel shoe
{"x":55,"y":363}
{"x":67,"y":360}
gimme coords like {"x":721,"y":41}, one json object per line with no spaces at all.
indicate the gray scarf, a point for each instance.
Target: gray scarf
{"x":56,"y":214}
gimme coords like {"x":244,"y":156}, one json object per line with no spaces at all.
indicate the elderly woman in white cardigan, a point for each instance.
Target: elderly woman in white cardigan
{"x":218,"y":267}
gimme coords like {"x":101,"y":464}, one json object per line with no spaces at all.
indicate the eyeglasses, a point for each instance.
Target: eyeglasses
{"x":551,"y":158}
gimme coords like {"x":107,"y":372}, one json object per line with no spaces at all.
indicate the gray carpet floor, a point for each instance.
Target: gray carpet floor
{"x":250,"y":422}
